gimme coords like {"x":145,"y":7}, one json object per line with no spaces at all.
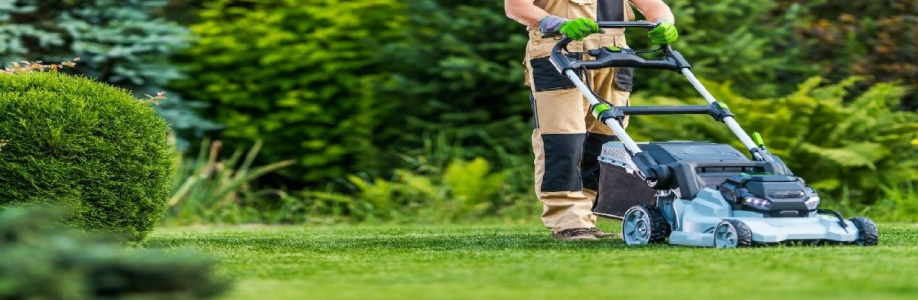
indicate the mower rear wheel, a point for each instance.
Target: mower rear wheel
{"x":867,"y":234}
{"x":732,"y":234}
{"x":644,"y":224}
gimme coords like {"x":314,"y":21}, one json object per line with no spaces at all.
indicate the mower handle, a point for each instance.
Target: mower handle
{"x":606,"y":58}
{"x":634,"y":24}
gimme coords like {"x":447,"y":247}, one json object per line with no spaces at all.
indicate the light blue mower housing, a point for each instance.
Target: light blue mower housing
{"x":715,"y":187}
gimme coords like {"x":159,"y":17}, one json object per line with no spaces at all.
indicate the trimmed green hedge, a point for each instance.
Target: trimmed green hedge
{"x":84,"y":143}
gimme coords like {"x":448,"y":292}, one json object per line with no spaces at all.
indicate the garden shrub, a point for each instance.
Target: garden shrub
{"x":86,"y":144}
{"x":122,"y":42}
{"x":296,"y":76}
{"x":457,"y":69}
{"x":43,"y":261}
{"x":461,"y":190}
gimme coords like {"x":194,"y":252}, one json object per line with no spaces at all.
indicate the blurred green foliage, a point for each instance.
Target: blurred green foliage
{"x":456,"y":69}
{"x":41,"y":260}
{"x":86,"y":144}
{"x":296,"y":76}
{"x":843,"y":148}
{"x":752,"y":44}
{"x":361,"y":91}
{"x":210,"y":189}
{"x":334,"y":83}
{"x":874,"y":39}
{"x":358,"y":92}
{"x":121,"y":42}
{"x":462,"y":191}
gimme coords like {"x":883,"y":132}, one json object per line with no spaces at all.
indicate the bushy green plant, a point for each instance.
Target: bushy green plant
{"x":207,"y":189}
{"x":465,"y":190}
{"x":836,"y":145}
{"x":442,"y":182}
{"x":457,"y":68}
{"x":43,"y":261}
{"x":296,"y":76}
{"x":898,"y":203}
{"x":86,"y":144}
{"x":121,"y":42}
{"x":317,"y":84}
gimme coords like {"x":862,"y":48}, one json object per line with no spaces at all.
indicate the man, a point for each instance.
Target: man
{"x":567,"y":139}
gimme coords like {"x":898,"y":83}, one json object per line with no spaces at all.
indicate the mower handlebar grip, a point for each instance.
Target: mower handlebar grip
{"x":634,"y":24}
{"x":606,"y":58}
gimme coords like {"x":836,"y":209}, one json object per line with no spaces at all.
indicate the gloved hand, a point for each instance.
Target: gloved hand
{"x":665,"y":33}
{"x":576,"y":29}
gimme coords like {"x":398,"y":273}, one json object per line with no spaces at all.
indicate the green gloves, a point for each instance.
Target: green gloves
{"x":665,"y":33}
{"x":579,"y":28}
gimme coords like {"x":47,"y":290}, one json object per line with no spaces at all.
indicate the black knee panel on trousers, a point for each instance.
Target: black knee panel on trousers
{"x":592,"y":148}
{"x":562,"y":162}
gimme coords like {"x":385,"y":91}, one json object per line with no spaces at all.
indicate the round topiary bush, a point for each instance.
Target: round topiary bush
{"x":93,"y":147}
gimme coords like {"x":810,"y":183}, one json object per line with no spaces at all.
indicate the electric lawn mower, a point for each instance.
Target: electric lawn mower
{"x":699,"y":193}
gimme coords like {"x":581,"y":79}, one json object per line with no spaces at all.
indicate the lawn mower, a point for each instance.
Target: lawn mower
{"x":699,"y":193}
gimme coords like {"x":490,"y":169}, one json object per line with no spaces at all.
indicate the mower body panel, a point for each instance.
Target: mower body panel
{"x":695,"y":204}
{"x":694,"y":222}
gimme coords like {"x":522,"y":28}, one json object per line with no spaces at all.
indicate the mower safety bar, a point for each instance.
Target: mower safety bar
{"x":607,"y":58}
{"x":718,"y":111}
{"x":636,"y":24}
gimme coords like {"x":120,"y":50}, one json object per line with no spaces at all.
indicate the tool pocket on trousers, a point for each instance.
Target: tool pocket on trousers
{"x":624,"y":79}
{"x":545,"y":77}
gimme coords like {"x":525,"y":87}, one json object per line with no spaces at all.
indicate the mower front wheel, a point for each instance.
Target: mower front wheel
{"x":644,"y":224}
{"x":732,"y":234}
{"x":867,"y":234}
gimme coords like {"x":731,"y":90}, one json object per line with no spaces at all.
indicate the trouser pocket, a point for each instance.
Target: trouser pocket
{"x":624,"y":79}
{"x":545,"y":77}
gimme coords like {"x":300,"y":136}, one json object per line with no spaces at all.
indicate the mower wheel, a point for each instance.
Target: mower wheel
{"x":644,"y":224}
{"x":867,"y":234}
{"x":732,"y":234}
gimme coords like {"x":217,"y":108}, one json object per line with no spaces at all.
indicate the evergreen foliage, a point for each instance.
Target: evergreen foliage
{"x":121,"y":42}
{"x":749,"y":43}
{"x":458,"y":69}
{"x":86,"y":144}
{"x":333,"y":82}
{"x":296,"y":76}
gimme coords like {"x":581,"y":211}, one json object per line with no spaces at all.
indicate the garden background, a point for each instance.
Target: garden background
{"x":371,"y":149}
{"x":415,"y":111}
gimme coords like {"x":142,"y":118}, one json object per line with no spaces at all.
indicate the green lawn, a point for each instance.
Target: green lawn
{"x":522,"y":262}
